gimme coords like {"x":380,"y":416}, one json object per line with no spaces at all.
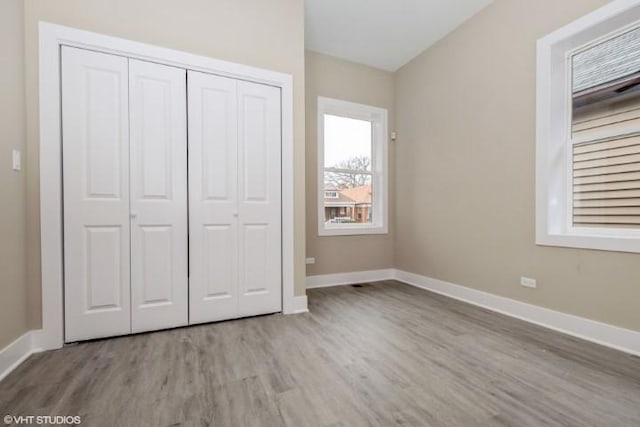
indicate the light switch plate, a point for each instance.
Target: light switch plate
{"x":310,"y":260}
{"x":16,"y":160}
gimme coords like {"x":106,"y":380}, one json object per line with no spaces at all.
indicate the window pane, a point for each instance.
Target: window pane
{"x":348,"y":203}
{"x":606,"y":86}
{"x":345,"y":179}
{"x":347,"y":143}
{"x":606,"y":157}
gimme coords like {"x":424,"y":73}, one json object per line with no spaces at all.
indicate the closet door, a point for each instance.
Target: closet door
{"x":158,"y":150}
{"x":213,"y":202}
{"x":235,"y":198}
{"x":96,"y":194}
{"x":259,"y":199}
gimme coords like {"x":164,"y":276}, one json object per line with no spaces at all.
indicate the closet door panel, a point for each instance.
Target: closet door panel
{"x":219,"y":273}
{"x":213,"y":254}
{"x":259,"y":205}
{"x":95,"y":152}
{"x":159,"y":275}
{"x":103,"y":265}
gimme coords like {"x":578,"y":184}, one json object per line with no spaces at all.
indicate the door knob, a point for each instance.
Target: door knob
{"x":235,"y":215}
{"x":133,"y":214}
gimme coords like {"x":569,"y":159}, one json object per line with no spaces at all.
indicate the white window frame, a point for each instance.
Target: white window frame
{"x":379,"y":166}
{"x":554,"y":193}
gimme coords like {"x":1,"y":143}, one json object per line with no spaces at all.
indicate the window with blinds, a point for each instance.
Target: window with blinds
{"x":606,"y":133}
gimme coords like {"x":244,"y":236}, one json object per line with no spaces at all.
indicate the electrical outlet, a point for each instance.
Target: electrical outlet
{"x":16,"y":160}
{"x":528,"y":282}
{"x":310,"y":260}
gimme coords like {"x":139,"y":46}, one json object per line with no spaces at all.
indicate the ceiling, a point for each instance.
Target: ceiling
{"x":384,"y":34}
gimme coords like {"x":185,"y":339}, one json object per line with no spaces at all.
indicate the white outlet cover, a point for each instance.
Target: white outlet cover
{"x":528,"y":282}
{"x":310,"y":260}
{"x":16,"y":160}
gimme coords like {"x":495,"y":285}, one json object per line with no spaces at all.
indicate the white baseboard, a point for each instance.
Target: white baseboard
{"x":326,"y":280}
{"x":17,"y":352}
{"x":625,"y":340}
{"x":300,"y":304}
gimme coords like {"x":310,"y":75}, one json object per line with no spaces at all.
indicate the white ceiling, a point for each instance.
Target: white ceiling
{"x":382,"y":33}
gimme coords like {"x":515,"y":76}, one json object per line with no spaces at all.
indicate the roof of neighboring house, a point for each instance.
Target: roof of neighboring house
{"x":609,"y":61}
{"x":360,"y":194}
{"x":355,"y":195}
{"x":350,"y":196}
{"x":340,"y":200}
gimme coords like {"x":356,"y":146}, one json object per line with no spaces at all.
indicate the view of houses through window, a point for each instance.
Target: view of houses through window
{"x":348,"y":190}
{"x":606,"y":133}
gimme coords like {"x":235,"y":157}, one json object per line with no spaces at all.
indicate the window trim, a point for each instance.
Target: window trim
{"x":554,"y":226}
{"x":379,"y":166}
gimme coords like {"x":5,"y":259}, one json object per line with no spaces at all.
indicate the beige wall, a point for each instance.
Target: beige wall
{"x":464,"y":189}
{"x":336,"y":78}
{"x":253,"y":32}
{"x":466,"y":167}
{"x":13,"y":279}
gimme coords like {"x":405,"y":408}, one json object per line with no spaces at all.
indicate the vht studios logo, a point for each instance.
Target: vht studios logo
{"x":42,"y":419}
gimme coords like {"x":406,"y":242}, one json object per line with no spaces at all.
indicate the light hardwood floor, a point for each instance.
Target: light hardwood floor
{"x":384,"y":354}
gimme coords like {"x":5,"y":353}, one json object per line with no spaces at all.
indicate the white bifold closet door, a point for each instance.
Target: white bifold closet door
{"x":235,"y":198}
{"x":95,"y":122}
{"x":159,"y":231}
{"x":125,"y":209}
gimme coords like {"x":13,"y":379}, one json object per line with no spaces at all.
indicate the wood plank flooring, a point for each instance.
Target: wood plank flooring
{"x":384,"y":354}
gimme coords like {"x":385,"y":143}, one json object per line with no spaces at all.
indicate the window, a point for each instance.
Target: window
{"x":588,"y":132}
{"x":352,"y":168}
{"x":605,"y":133}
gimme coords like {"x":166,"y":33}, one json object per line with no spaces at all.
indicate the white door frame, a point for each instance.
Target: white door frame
{"x":51,"y":38}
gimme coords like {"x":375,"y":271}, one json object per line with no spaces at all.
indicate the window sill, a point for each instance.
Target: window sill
{"x":597,"y":240}
{"x":352,"y":231}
